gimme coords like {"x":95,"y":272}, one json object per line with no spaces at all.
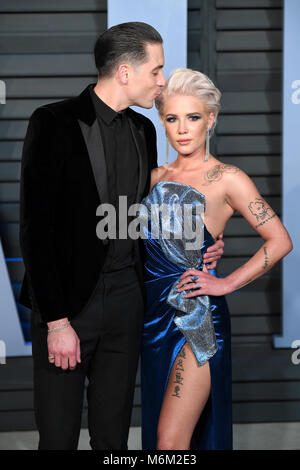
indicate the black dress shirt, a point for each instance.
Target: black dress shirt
{"x":122,"y":174}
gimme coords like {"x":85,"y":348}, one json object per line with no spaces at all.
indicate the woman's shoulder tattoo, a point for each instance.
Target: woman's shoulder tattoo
{"x":216,"y":173}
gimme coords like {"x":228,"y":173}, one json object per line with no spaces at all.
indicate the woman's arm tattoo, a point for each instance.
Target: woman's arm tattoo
{"x":266,"y":263}
{"x":265,"y":266}
{"x":261,"y":211}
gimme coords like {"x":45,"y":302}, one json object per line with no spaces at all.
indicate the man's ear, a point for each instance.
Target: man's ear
{"x":123,"y":73}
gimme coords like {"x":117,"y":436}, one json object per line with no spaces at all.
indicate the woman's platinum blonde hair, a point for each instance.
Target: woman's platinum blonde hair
{"x":191,"y":83}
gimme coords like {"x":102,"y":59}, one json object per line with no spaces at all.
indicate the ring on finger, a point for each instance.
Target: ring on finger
{"x":51,"y":358}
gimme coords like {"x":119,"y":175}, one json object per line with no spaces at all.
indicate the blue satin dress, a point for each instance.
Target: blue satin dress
{"x":172,"y":320}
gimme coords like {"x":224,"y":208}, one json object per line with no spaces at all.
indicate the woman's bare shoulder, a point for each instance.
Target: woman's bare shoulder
{"x":157,"y":174}
{"x":233,"y":181}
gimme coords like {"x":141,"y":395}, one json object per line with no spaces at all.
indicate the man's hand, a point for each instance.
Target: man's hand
{"x":63,"y":345}
{"x":214,"y":253}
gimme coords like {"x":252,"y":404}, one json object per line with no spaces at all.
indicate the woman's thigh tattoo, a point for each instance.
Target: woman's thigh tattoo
{"x":179,"y":369}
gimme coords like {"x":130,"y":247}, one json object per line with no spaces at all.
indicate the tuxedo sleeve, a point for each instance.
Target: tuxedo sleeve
{"x":152,"y":144}
{"x":41,"y":175}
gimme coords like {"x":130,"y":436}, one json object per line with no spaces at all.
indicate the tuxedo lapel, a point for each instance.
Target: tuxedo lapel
{"x":139,"y":139}
{"x":95,"y":149}
{"x":91,"y":133}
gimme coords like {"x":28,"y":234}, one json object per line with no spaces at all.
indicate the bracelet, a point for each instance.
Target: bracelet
{"x":59,"y":327}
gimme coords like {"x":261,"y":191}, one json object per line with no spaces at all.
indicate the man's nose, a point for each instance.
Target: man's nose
{"x":161,"y":81}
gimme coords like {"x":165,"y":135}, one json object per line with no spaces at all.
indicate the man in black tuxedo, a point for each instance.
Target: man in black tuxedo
{"x":86,"y":293}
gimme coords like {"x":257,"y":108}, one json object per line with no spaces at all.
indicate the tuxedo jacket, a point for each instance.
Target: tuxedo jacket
{"x":63,"y":181}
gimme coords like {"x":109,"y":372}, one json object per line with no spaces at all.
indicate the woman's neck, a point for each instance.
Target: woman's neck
{"x":191,"y":162}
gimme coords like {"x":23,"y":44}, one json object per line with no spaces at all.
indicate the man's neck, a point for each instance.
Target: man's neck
{"x":109,"y":92}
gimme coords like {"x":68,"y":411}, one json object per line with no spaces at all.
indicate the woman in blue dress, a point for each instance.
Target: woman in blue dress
{"x":186,"y":352}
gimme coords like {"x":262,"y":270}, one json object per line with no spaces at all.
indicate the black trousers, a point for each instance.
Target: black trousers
{"x":109,"y":329}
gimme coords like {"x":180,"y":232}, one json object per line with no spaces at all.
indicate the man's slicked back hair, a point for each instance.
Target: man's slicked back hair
{"x":123,"y":43}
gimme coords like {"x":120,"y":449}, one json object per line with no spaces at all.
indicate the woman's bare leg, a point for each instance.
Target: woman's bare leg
{"x":186,"y":395}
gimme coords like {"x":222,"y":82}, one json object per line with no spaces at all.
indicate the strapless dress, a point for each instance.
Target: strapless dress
{"x":171,"y":320}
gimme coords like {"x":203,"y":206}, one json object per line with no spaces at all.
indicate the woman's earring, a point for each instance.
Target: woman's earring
{"x":207,"y":145}
{"x":167,"y":150}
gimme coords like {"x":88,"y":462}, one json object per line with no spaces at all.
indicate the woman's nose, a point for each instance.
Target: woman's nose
{"x":182,"y":128}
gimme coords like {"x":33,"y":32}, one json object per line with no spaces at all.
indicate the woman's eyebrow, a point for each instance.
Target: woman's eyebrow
{"x":188,"y":114}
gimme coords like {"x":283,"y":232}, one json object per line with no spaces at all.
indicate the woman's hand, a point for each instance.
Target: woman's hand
{"x":203,"y":282}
